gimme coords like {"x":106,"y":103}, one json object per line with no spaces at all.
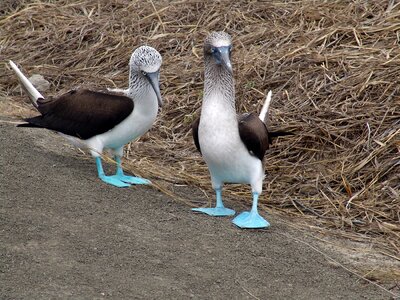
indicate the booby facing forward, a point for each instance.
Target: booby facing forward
{"x":102,"y":120}
{"x":232,"y":146}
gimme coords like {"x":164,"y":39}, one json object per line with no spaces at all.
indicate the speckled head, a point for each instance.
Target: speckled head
{"x":146,"y":59}
{"x":217,"y":39}
{"x":145,"y":66}
{"x":218,"y":45}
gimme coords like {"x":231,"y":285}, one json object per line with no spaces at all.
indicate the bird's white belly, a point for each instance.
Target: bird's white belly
{"x":226,"y":156}
{"x":130,"y":129}
{"x":135,"y":125}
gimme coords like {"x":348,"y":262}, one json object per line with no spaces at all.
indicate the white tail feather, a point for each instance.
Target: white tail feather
{"x":28,"y":87}
{"x":264,"y":110}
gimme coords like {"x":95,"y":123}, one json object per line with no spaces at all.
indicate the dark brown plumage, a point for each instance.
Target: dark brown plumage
{"x":81,"y":113}
{"x":253,"y":133}
{"x":195,"y":133}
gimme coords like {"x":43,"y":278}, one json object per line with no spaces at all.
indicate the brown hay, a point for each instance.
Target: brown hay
{"x":333,"y":67}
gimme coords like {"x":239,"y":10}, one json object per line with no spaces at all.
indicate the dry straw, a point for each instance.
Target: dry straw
{"x":333,"y":66}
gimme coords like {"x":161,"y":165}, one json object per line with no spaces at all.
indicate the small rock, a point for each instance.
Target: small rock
{"x":39,"y":82}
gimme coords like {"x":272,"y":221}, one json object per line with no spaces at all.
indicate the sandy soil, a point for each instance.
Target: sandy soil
{"x":66,"y":235}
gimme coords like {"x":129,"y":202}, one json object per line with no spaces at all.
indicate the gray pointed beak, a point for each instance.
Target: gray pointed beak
{"x":153,"y":79}
{"x":222,"y":56}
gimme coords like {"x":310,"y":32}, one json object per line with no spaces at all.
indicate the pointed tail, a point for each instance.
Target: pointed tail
{"x":264,"y":111}
{"x":28,"y":87}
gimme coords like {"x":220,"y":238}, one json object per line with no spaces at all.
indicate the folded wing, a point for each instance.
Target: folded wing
{"x":82,"y":113}
{"x":254,"y":134}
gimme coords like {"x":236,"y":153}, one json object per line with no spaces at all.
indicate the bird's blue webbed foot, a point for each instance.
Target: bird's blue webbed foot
{"x":119,"y":179}
{"x":131,"y":179}
{"x":251,"y":219}
{"x":127,"y":178}
{"x":219,"y":210}
{"x":215,"y":211}
{"x":109,"y":179}
{"x":114,"y":181}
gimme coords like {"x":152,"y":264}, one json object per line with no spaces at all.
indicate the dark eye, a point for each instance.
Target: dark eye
{"x":213,"y":49}
{"x":230,"y":48}
{"x":144,"y":73}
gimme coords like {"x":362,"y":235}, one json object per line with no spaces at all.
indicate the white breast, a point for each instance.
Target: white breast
{"x":135,"y":125}
{"x":224,"y":152}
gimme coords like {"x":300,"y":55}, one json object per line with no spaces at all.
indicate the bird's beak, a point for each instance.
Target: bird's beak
{"x":222,"y":56}
{"x":153,"y":79}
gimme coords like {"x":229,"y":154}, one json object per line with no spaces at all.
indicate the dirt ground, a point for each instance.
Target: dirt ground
{"x":66,"y":235}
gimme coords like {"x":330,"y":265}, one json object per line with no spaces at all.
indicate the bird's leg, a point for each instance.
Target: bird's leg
{"x":108,"y":179}
{"x":219,"y":210}
{"x":251,"y":219}
{"x":125,"y":178}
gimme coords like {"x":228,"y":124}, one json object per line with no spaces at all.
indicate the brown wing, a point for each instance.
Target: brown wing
{"x":254,"y":134}
{"x":195,"y":133}
{"x":82,"y":113}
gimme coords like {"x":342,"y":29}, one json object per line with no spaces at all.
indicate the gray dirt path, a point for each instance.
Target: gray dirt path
{"x":66,"y":235}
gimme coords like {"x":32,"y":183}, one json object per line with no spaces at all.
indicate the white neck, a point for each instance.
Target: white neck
{"x":145,"y":100}
{"x":142,"y":94}
{"x":219,"y":89}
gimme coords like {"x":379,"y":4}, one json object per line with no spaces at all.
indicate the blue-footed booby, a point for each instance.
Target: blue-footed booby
{"x":232,"y":146}
{"x":100,"y":120}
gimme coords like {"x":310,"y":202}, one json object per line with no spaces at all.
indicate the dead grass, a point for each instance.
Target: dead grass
{"x":333,"y":67}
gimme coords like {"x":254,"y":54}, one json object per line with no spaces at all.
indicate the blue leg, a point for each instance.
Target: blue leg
{"x":251,"y":219}
{"x":108,"y":179}
{"x":219,"y":210}
{"x":119,"y":175}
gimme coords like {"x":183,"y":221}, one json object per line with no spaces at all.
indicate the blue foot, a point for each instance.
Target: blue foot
{"x":114,"y":181}
{"x":131,"y":179}
{"x":250,"y":220}
{"x":216,"y":211}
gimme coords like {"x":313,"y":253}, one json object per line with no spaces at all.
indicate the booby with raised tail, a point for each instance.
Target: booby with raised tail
{"x":232,"y":146}
{"x":102,"y":120}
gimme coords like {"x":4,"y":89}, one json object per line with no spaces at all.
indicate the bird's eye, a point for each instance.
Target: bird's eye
{"x":213,"y":49}
{"x":230,"y":48}
{"x":144,"y":73}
